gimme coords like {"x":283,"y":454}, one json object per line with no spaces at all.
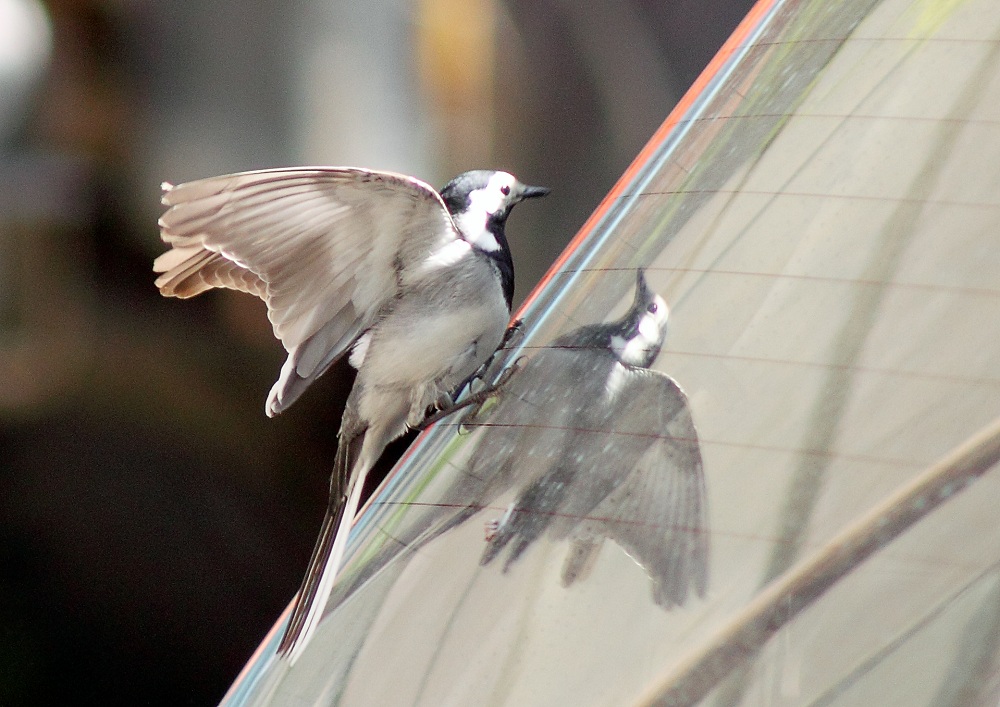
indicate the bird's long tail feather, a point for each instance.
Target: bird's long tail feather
{"x":328,"y":553}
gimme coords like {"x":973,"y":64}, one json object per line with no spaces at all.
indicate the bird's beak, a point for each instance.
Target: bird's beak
{"x":528,"y":192}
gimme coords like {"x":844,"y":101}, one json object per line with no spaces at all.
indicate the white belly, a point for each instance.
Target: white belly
{"x":438,"y":342}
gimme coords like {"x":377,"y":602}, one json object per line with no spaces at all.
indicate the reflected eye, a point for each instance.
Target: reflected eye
{"x":505,"y":190}
{"x":652,"y":308}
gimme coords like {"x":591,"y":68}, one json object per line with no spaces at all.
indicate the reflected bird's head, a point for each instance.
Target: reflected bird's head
{"x":639,"y":335}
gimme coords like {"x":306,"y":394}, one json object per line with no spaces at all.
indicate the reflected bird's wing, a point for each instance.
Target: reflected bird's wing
{"x":656,"y":510}
{"x":324,"y":247}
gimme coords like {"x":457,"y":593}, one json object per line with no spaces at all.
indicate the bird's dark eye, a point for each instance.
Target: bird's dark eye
{"x":505,"y":190}
{"x":652,"y":308}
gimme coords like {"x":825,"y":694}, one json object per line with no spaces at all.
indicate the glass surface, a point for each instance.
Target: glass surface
{"x":822,"y":214}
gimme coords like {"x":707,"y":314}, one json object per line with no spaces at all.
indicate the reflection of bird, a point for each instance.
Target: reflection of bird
{"x":599,"y":446}
{"x":416,"y":284}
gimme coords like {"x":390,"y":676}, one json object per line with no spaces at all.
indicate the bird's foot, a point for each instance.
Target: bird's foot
{"x":516,"y":329}
{"x":476,"y":399}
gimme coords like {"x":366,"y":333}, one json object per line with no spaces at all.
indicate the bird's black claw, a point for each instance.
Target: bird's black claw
{"x":516,"y":328}
{"x":476,"y":399}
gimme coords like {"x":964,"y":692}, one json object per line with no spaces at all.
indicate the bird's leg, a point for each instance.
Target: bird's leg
{"x":446,"y":405}
{"x":515,"y":329}
{"x":477,"y":398}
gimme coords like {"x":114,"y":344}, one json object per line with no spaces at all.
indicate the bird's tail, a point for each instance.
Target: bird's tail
{"x":327,"y":556}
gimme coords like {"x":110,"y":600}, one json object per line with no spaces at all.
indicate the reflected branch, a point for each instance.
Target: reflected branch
{"x":780,"y":602}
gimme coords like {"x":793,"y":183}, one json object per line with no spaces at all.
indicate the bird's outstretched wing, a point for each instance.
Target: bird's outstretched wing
{"x":324,"y":247}
{"x":655,"y":510}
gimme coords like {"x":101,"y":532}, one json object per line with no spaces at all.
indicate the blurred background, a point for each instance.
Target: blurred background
{"x":153,"y":522}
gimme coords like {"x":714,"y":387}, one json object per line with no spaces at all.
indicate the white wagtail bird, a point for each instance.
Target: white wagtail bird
{"x":597,"y":445}
{"x":415,"y":284}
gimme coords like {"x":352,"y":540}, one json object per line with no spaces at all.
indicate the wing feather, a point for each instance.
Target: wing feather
{"x":297,"y":238}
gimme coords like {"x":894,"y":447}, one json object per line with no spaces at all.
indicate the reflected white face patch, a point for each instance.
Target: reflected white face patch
{"x":483,"y":203}
{"x":634,"y":351}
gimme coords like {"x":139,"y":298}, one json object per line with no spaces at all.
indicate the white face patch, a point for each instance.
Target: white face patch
{"x":482,"y":204}
{"x":491,"y":197}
